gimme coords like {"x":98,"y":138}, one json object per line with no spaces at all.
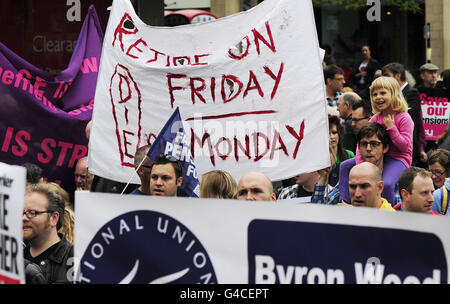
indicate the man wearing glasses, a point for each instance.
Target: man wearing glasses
{"x":143,"y":165}
{"x":361,"y":113}
{"x":43,"y":215}
{"x":166,"y":176}
{"x":373,"y":142}
{"x":334,"y":81}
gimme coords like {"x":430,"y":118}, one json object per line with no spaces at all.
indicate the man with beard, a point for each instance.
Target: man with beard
{"x":43,"y":215}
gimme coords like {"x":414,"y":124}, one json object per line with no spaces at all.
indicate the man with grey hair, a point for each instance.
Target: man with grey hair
{"x":344,"y":105}
{"x":428,"y":73}
{"x":365,"y":187}
{"x":83,"y":179}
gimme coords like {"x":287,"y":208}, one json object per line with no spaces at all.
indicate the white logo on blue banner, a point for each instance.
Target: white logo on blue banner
{"x":172,"y":140}
{"x":170,"y":240}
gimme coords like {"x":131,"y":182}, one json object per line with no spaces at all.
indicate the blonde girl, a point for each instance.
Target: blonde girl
{"x":391,"y":110}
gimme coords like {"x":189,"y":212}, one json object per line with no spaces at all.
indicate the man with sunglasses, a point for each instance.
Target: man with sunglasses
{"x":373,"y":142}
{"x":361,"y":113}
{"x":43,"y":215}
{"x":165,"y":176}
{"x":143,"y":167}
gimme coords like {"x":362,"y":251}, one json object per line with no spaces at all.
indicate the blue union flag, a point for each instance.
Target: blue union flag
{"x":172,"y":140}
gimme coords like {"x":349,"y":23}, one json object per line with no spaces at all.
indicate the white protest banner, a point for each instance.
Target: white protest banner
{"x":184,"y":240}
{"x":249,"y":86}
{"x":12,"y":193}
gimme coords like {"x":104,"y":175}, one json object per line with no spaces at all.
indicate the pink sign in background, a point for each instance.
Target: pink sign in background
{"x":435,"y":111}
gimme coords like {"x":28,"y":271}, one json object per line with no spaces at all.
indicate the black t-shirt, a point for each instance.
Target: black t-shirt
{"x":43,"y":256}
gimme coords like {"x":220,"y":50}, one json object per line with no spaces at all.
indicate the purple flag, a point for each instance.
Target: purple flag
{"x":43,"y":117}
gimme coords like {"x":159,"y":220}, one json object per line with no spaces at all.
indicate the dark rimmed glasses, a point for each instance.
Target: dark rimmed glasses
{"x":358,"y":119}
{"x":33,"y":213}
{"x":437,"y":173}
{"x":373,"y":143}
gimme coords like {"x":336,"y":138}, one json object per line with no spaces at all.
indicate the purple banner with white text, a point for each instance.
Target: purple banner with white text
{"x":43,"y":117}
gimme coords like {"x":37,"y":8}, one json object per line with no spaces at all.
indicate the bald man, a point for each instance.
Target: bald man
{"x":83,"y":179}
{"x":255,"y":186}
{"x":365,"y":187}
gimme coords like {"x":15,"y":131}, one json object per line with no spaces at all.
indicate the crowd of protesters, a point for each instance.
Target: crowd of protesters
{"x":378,"y":151}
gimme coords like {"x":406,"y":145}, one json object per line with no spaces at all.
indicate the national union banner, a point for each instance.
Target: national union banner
{"x":249,"y":87}
{"x":162,"y":240}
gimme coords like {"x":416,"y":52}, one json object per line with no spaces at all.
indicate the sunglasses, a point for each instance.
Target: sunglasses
{"x":358,"y":119}
{"x":437,"y":173}
{"x":33,"y":213}
{"x":373,"y":144}
{"x":169,"y":158}
{"x":166,"y":157}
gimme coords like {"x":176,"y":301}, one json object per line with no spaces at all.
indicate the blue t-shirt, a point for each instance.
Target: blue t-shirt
{"x":138,"y":192}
